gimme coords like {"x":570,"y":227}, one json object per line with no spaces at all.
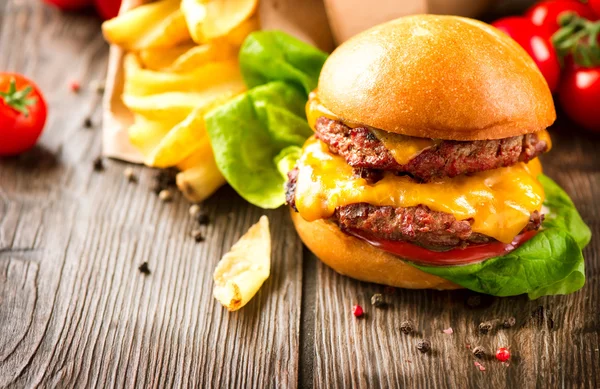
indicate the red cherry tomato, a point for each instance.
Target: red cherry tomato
{"x":70,"y":5}
{"x":536,"y":42}
{"x":579,"y":95}
{"x":108,"y":9}
{"x":545,"y":14}
{"x":595,"y":6}
{"x":456,"y":256}
{"x":22,"y":114}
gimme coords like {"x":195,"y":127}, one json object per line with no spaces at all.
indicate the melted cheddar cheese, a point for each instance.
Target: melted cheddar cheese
{"x":498,"y":201}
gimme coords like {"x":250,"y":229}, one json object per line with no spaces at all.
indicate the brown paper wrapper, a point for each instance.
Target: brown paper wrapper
{"x":116,"y":118}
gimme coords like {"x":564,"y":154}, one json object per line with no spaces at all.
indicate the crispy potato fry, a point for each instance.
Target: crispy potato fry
{"x":200,"y":177}
{"x":242,"y":271}
{"x":171,"y":32}
{"x":183,"y":139}
{"x":161,"y":59}
{"x":143,"y":82}
{"x":155,"y":25}
{"x":176,"y":106}
{"x":210,"y":19}
{"x":146,"y":135}
{"x":216,"y":50}
{"x":237,"y":35}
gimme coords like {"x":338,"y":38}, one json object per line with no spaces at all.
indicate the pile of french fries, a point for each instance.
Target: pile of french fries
{"x":180,"y":62}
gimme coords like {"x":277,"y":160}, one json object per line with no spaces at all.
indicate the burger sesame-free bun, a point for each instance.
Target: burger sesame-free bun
{"x":441,"y":77}
{"x":355,"y":258}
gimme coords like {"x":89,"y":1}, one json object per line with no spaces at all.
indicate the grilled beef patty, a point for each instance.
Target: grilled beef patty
{"x":419,"y":225}
{"x":363,"y":151}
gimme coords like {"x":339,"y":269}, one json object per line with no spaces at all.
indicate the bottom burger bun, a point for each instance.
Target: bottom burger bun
{"x":355,"y":258}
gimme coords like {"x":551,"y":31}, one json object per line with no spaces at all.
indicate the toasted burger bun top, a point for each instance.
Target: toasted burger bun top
{"x":442,"y":77}
{"x":355,"y":258}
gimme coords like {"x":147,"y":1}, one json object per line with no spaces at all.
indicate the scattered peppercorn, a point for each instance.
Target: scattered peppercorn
{"x":407,"y":327}
{"x":144,"y":269}
{"x":75,"y":86}
{"x":97,"y":86}
{"x":474,"y":301}
{"x":203,"y":218}
{"x":485,"y":327}
{"x":479,"y":366}
{"x":165,"y":195}
{"x":357,"y":311}
{"x":87,"y":122}
{"x":479,"y":352}
{"x":377,"y":300}
{"x":423,"y":345}
{"x":98,"y":164}
{"x":197,"y":235}
{"x":130,"y":175}
{"x":510,"y":322}
{"x":194,"y":210}
{"x":503,"y":354}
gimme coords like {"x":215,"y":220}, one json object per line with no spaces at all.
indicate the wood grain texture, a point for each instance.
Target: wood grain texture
{"x":74,"y":309}
{"x":555,"y":342}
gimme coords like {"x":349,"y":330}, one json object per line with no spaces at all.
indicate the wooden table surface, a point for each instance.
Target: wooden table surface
{"x":76,"y":312}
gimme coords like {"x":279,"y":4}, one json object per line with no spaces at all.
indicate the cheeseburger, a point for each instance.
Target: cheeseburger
{"x":427,"y":132}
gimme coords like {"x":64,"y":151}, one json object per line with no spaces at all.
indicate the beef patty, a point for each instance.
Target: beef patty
{"x":363,"y":151}
{"x":419,"y":225}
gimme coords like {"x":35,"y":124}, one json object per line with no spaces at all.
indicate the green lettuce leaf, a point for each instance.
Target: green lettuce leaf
{"x":275,"y":56}
{"x":248,"y":133}
{"x":550,"y":263}
{"x":251,"y":134}
{"x":286,"y":160}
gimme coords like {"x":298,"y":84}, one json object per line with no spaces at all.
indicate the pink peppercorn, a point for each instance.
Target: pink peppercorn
{"x":357,"y":311}
{"x":503,"y":354}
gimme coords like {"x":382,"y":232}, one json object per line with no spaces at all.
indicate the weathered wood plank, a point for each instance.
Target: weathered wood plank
{"x":555,"y":343}
{"x":74,"y":309}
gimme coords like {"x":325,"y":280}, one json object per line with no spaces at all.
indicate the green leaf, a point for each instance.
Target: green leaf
{"x":275,"y":56}
{"x":250,"y":131}
{"x":286,"y":160}
{"x":550,"y":263}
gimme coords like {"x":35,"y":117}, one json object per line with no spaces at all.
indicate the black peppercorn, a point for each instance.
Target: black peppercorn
{"x":197,"y":235}
{"x":407,"y":327}
{"x":377,"y":300}
{"x":98,"y":164}
{"x":511,"y":321}
{"x":423,"y":345}
{"x":485,"y":327}
{"x":144,"y":269}
{"x":203,"y":218}
{"x":479,"y":352}
{"x":87,"y":122}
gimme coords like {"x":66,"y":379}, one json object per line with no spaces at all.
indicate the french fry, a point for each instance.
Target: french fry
{"x":160,"y":59}
{"x":216,"y":50}
{"x":183,"y":138}
{"x":143,"y":82}
{"x":155,"y":25}
{"x":237,"y":36}
{"x":210,"y":19}
{"x":176,"y":106}
{"x":146,"y":135}
{"x":200,"y":177}
{"x":242,"y":271}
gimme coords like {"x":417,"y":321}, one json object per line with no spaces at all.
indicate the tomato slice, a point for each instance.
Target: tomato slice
{"x":456,"y":256}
